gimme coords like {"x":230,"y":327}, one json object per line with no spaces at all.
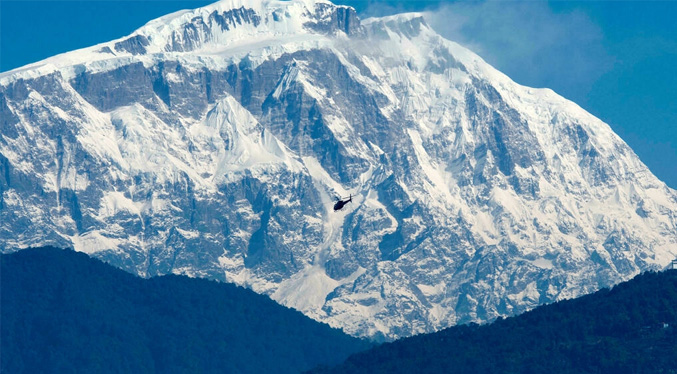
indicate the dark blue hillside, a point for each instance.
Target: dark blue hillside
{"x":63,"y":312}
{"x":631,"y":328}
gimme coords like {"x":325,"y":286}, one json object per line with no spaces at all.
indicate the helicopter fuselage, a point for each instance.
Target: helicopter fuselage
{"x":340,"y":203}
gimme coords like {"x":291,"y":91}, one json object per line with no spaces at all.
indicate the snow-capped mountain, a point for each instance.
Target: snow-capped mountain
{"x":212,"y":142}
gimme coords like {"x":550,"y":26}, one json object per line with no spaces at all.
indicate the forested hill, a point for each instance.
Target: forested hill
{"x":631,"y":328}
{"x":62,"y":311}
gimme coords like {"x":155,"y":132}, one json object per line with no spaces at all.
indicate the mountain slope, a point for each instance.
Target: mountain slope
{"x":62,"y":311}
{"x":631,"y":328}
{"x":212,"y":143}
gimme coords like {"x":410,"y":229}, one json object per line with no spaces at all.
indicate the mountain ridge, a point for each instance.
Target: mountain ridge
{"x":474,"y":197}
{"x":64,"y":311}
{"x":222,"y":25}
{"x":631,"y":327}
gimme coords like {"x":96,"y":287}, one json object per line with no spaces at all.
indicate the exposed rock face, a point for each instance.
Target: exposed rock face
{"x":212,"y":143}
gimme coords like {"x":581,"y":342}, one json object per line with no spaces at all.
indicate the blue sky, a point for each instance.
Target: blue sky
{"x":616,"y":59}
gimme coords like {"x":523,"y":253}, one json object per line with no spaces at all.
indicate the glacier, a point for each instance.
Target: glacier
{"x":212,"y":143}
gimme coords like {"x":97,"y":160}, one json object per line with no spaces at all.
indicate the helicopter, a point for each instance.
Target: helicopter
{"x":340,"y":202}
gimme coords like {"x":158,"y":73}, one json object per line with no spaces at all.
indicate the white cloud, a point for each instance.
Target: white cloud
{"x":530,"y":42}
{"x":527,"y":40}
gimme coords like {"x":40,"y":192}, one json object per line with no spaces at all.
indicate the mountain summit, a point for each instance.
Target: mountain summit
{"x":213,"y":142}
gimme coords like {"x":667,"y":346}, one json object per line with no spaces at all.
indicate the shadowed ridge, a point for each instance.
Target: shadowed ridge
{"x":63,"y":311}
{"x":631,"y":328}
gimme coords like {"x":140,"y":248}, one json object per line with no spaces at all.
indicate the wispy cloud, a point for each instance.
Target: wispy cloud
{"x":527,"y":40}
